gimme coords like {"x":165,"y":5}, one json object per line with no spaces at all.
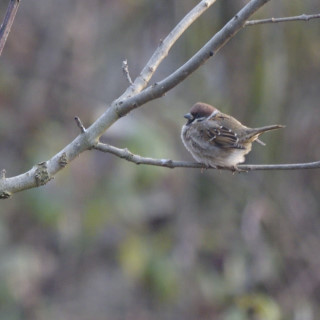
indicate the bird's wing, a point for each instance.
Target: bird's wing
{"x":221,"y":136}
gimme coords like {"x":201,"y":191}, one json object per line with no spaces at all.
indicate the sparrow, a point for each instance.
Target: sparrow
{"x":218,"y":140}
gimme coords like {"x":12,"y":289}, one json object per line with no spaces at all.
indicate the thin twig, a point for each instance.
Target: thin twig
{"x":129,"y":156}
{"x":125,"y":69}
{"x":80,"y":125}
{"x":164,"y":47}
{"x":7,"y":22}
{"x":302,"y":17}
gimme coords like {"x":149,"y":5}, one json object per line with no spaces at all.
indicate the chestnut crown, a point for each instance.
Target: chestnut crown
{"x":199,"y":111}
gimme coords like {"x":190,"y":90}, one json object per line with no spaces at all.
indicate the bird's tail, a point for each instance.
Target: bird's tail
{"x":254,"y":133}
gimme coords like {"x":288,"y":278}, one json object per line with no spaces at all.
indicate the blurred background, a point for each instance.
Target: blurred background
{"x":107,"y":239}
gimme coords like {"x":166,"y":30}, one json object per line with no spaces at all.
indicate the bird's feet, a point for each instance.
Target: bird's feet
{"x":205,"y":167}
{"x":236,"y":169}
{"x":233,"y":169}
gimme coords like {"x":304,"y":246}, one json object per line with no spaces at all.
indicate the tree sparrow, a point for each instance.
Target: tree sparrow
{"x":217,"y":139}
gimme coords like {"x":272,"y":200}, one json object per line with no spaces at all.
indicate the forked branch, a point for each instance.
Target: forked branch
{"x":164,"y":47}
{"x":138,"y":94}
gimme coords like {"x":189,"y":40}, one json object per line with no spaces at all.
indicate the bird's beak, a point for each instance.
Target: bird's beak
{"x":190,"y":118}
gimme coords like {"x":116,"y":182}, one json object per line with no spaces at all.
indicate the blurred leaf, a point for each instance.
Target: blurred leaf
{"x":161,"y":278}
{"x":261,"y":306}
{"x":133,"y":256}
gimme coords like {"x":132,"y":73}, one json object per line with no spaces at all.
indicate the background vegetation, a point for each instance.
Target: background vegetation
{"x":111,"y":240}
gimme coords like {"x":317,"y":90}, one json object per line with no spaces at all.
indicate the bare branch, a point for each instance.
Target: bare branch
{"x":302,"y":17}
{"x":164,"y":47}
{"x":119,"y":108}
{"x":125,"y":69}
{"x":7,"y":22}
{"x":129,"y":156}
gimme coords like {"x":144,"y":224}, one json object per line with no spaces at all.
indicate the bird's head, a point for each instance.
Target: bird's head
{"x":199,"y":112}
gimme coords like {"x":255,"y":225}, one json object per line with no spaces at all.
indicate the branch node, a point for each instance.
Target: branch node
{"x":80,"y":125}
{"x":128,"y":155}
{"x":63,"y":161}
{"x":211,"y":53}
{"x":143,"y":79}
{"x":42,"y":176}
{"x":125,"y":70}
{"x":5,"y":195}
{"x":206,"y":4}
{"x":118,"y":111}
{"x":167,"y":163}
